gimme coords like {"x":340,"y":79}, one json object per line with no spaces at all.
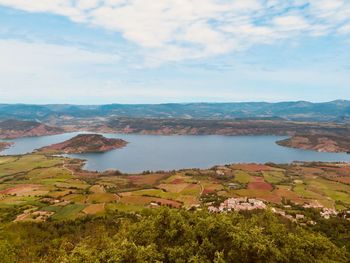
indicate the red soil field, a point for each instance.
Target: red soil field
{"x":258,"y":179}
{"x":178,"y":181}
{"x":259,"y":184}
{"x":345,"y":180}
{"x":272,"y":198}
{"x":145,"y":179}
{"x":289,"y":195}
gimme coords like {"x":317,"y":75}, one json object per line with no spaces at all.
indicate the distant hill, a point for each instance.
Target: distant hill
{"x":219,"y":127}
{"x":85,"y":143}
{"x":335,"y":111}
{"x":10,"y":129}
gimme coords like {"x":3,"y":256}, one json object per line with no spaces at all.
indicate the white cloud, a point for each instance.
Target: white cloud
{"x":46,"y":73}
{"x":35,"y":70}
{"x":326,"y":8}
{"x":344,"y":29}
{"x":290,"y":23}
{"x":87,"y":4}
{"x":30,"y":56}
{"x":173,"y":30}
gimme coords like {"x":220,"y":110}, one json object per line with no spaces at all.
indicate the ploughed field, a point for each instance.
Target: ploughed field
{"x":36,"y":187}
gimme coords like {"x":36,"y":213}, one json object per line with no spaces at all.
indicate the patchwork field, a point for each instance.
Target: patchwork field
{"x":39,"y":187}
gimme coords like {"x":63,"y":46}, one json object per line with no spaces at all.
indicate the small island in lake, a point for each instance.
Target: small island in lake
{"x":320,"y":143}
{"x":85,"y":143}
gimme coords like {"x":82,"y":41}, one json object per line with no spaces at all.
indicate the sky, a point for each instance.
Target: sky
{"x":157,"y":51}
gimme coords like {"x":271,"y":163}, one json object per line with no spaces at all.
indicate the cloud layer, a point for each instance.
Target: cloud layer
{"x":190,"y":29}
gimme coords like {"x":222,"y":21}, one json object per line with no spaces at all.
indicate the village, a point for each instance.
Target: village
{"x":238,"y":204}
{"x":248,"y":204}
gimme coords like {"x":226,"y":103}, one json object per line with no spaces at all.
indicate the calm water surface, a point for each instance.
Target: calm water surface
{"x":155,"y":152}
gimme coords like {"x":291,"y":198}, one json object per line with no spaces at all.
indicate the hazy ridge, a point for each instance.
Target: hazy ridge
{"x":334,"y":111}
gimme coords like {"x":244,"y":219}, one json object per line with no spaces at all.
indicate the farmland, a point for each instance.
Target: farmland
{"x":38,"y":187}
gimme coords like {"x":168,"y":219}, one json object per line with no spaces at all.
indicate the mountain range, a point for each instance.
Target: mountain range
{"x":334,"y":111}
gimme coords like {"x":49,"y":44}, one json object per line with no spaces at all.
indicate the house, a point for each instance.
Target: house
{"x":299,"y":216}
{"x":213,"y":209}
{"x":220,"y":172}
{"x":326,"y":213}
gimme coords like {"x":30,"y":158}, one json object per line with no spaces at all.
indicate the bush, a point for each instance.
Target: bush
{"x":169,"y":235}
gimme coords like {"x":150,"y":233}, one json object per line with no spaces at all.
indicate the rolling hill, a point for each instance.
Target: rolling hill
{"x":10,"y":129}
{"x":335,"y":111}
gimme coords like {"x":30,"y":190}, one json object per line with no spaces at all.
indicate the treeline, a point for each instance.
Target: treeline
{"x":166,"y":235}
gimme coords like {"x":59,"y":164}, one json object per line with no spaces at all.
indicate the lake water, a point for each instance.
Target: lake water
{"x":155,"y":152}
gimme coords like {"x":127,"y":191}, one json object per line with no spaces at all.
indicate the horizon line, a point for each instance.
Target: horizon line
{"x":178,"y":103}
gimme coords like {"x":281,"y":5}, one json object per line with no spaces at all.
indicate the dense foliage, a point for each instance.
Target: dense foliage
{"x":166,"y":235}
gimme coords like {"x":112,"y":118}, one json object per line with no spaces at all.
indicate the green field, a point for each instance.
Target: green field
{"x":70,"y":211}
{"x":58,"y":185}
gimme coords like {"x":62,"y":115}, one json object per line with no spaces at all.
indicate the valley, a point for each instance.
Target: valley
{"x":41,"y":187}
{"x":61,"y":189}
{"x":201,"y":131}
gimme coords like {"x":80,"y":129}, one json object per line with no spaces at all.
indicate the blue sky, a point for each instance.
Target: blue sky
{"x":154,"y":51}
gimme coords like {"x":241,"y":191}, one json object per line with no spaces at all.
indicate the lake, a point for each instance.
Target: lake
{"x":157,"y":152}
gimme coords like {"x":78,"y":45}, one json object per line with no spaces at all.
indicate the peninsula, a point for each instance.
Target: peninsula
{"x":320,"y":143}
{"x":5,"y":145}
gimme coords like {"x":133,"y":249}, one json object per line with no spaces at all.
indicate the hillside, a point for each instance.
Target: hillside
{"x":320,"y":143}
{"x":217,"y":127}
{"x":338,"y":111}
{"x":165,"y":235}
{"x":84,"y":143}
{"x":10,"y":129}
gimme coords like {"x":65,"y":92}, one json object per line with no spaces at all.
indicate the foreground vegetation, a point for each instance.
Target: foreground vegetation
{"x":53,"y":211}
{"x":169,"y":235}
